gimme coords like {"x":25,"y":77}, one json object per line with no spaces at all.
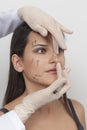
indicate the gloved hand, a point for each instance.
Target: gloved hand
{"x":41,"y":22}
{"x":37,"y":99}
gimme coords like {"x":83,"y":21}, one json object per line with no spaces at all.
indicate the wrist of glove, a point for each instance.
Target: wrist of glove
{"x":37,"y":99}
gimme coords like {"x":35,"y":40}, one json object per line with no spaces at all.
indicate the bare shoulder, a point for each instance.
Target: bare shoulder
{"x":80,"y":111}
{"x":12,"y":104}
{"x":78,"y":107}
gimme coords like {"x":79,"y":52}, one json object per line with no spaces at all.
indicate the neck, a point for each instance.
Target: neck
{"x":33,"y":87}
{"x":50,"y":107}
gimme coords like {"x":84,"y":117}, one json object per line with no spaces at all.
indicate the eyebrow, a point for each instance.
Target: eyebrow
{"x":39,"y":45}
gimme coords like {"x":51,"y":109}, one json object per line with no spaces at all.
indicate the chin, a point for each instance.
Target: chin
{"x":53,"y":80}
{"x":49,"y":81}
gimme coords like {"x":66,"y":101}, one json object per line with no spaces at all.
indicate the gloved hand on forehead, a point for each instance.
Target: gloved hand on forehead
{"x":43,"y":23}
{"x":37,"y":99}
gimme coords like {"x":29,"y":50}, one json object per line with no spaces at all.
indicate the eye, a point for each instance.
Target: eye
{"x":40,"y":50}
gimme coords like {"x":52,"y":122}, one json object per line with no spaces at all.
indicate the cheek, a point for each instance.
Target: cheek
{"x":32,"y":68}
{"x":37,"y":69}
{"x":36,"y":66}
{"x":35,"y":63}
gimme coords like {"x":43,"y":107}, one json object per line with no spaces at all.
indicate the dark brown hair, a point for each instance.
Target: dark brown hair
{"x":16,"y":84}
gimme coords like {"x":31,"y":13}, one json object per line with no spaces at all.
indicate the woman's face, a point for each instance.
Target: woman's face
{"x":39,"y":60}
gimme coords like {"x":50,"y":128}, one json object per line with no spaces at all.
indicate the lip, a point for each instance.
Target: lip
{"x":53,"y":71}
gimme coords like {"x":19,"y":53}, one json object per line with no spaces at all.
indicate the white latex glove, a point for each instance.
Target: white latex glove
{"x":37,"y":99}
{"x":41,"y":22}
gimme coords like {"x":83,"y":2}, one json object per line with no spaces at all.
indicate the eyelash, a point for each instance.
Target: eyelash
{"x":42,"y":50}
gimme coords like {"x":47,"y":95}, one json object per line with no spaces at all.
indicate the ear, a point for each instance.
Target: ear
{"x":17,"y":63}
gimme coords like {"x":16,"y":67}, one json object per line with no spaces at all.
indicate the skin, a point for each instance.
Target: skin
{"x":38,"y":58}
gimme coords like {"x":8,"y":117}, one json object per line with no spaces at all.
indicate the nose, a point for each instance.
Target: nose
{"x":55,"y":58}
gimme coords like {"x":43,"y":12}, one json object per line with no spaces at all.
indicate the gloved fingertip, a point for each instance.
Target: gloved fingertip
{"x":44,"y":32}
{"x":64,"y":29}
{"x":69,"y":32}
{"x":64,"y":47}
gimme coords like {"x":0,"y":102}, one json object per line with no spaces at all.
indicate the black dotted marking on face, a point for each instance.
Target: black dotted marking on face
{"x":34,"y":43}
{"x":34,"y":77}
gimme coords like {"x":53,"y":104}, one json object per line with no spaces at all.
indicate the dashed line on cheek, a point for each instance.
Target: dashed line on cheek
{"x":37,"y":76}
{"x":38,"y":62}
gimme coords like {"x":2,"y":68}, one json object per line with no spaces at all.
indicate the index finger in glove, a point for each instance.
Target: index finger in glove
{"x":58,"y":84}
{"x":60,"y":35}
{"x":57,"y":35}
{"x":64,"y":89}
{"x":64,"y":29}
{"x":56,"y":29}
{"x":59,"y":70}
{"x":66,"y":75}
{"x":67,"y":85}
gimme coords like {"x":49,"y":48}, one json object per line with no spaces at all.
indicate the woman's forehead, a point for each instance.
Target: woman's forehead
{"x":35,"y":37}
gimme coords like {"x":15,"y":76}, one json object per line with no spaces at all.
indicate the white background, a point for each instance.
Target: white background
{"x":71,"y":13}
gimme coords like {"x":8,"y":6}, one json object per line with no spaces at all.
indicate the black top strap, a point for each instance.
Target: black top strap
{"x":4,"y":110}
{"x":79,"y":125}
